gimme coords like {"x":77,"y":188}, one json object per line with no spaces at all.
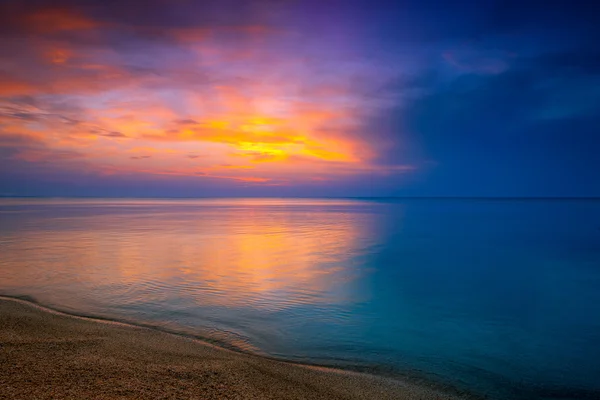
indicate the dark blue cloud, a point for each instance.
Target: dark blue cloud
{"x":532,"y":130}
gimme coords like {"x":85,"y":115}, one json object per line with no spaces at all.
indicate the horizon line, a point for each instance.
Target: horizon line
{"x":309,"y":197}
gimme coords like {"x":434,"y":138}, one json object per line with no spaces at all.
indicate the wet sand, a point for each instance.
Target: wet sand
{"x":50,"y":355}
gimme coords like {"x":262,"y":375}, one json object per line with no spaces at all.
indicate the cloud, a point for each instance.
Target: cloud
{"x":471,"y":60}
{"x":113,"y":134}
{"x":165,"y":83}
{"x":11,"y":86}
{"x":231,"y":166}
{"x":50,"y":20}
{"x":513,"y":132}
{"x":575,"y":61}
{"x":43,"y":17}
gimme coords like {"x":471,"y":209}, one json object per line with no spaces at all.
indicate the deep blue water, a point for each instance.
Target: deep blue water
{"x":500,"y":297}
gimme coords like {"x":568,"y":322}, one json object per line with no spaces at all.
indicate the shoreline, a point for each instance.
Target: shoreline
{"x":35,"y":335}
{"x":416,"y":377}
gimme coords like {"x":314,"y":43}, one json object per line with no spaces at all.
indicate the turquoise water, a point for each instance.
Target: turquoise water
{"x":500,"y":297}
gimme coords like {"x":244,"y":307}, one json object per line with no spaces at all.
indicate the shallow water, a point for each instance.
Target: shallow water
{"x":501,"y":297}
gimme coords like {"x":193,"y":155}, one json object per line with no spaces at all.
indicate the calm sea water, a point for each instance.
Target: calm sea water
{"x":498,"y":296}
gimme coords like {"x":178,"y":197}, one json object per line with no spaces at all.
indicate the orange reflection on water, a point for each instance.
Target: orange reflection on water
{"x":228,"y":253}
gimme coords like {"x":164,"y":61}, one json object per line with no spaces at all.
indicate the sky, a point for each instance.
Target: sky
{"x":184,"y":98}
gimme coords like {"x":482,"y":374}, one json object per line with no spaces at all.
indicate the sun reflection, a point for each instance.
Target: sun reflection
{"x":228,"y":255}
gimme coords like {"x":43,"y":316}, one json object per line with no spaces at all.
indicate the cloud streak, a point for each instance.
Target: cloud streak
{"x":86,"y":79}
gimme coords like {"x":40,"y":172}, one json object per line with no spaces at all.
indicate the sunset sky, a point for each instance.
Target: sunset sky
{"x":299,"y":98}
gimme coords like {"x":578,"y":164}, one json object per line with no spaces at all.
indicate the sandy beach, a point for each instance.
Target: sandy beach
{"x":49,"y":355}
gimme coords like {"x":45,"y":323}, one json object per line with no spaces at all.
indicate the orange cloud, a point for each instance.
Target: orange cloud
{"x":260,"y":129}
{"x":253,"y":115}
{"x":252,"y":179}
{"x":52,"y":20}
{"x":201,"y":34}
{"x":58,"y":56}
{"x":11,"y":87}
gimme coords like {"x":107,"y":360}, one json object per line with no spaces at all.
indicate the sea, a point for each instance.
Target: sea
{"x":495,"y":298}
